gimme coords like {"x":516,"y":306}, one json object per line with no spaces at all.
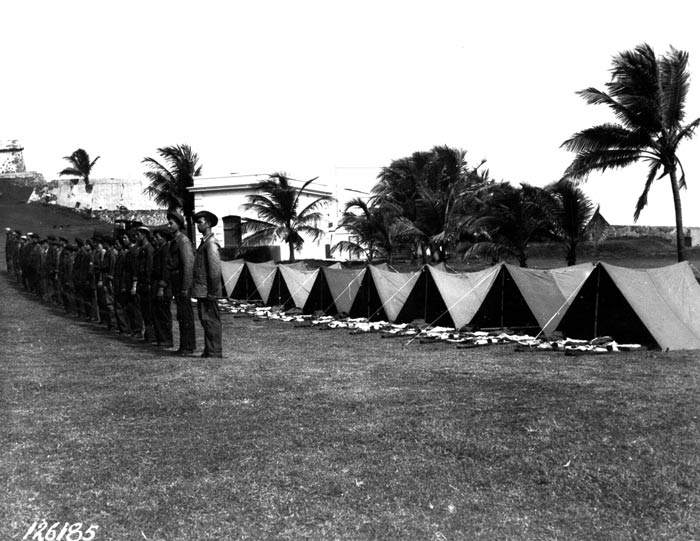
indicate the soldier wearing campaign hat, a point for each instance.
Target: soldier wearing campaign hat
{"x":143,"y":281}
{"x":131,"y":280}
{"x":63,"y":258}
{"x":66,"y":276}
{"x":121,"y":283}
{"x":206,"y":283}
{"x":41,"y":257}
{"x":161,"y":292}
{"x":180,"y":264}
{"x":105,"y":284}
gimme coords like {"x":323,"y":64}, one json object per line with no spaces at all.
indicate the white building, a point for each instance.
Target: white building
{"x":225,"y":196}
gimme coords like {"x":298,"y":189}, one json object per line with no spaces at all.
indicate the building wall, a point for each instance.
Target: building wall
{"x":106,"y":194}
{"x":666,"y":232}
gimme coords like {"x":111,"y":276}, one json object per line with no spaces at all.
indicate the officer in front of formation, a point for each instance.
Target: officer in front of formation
{"x":206,"y":283}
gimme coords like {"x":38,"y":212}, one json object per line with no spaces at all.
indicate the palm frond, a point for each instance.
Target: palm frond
{"x":353,"y":249}
{"x":674,"y":82}
{"x":601,"y":160}
{"x":642,"y":201}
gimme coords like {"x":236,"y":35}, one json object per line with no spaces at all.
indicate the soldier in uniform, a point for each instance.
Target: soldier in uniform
{"x":63,"y":259}
{"x":161,"y":292}
{"x":90,"y":291}
{"x":121,"y":284}
{"x":41,"y":257}
{"x":52,"y":268}
{"x":16,"y":247}
{"x":180,"y":263}
{"x":105,"y":286}
{"x":131,"y":272}
{"x":67,"y":285}
{"x":79,"y":275}
{"x":145,"y":269}
{"x":9,"y":240}
{"x":98,"y":254}
{"x":206,"y":283}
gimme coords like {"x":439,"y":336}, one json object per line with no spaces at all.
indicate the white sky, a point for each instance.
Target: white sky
{"x":332,"y":88}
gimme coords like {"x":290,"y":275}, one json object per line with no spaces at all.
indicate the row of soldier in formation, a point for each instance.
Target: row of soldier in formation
{"x":127,"y":281}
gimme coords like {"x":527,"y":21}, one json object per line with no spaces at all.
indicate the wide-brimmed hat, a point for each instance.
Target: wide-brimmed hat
{"x":177,"y":217}
{"x":208,"y":216}
{"x":163,"y":231}
{"x":145,"y":230}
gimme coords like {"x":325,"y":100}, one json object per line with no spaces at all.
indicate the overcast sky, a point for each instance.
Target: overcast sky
{"x":334,"y":89}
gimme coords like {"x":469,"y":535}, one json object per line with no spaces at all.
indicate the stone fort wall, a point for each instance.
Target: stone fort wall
{"x":11,"y":157}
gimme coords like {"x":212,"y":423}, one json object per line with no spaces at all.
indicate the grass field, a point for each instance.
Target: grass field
{"x":306,"y":434}
{"x":300,"y":433}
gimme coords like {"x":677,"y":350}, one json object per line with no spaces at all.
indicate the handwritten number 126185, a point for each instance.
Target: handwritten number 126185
{"x":40,"y":531}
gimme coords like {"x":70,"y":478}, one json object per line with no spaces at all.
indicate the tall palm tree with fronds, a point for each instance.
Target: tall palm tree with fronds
{"x":170,"y":178}
{"x":570,"y":211}
{"x":277,"y":204}
{"x":510,"y":218}
{"x":647,"y":95}
{"x":80,"y":167}
{"x":376,"y":231}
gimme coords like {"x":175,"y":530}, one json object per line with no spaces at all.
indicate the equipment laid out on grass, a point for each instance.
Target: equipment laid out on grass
{"x":657,"y":308}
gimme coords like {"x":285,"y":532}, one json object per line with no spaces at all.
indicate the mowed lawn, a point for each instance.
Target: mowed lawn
{"x":300,"y":433}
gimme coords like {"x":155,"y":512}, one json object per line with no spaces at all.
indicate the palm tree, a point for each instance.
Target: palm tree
{"x":377,"y":231}
{"x":647,"y":95}
{"x":509,"y":220}
{"x":80,"y":167}
{"x":170,"y":178}
{"x":429,"y":189}
{"x":277,"y":206}
{"x":570,"y":212}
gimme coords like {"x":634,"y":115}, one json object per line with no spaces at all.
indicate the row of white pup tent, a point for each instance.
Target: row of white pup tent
{"x":653,"y":307}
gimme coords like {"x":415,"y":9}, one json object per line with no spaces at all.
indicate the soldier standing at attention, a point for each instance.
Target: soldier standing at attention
{"x":161,"y":292}
{"x":131,"y":270}
{"x":145,"y":269}
{"x":120,"y":285}
{"x":206,"y":283}
{"x":180,"y":264}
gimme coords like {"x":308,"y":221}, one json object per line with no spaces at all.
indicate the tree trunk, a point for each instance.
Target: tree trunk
{"x":680,"y":235}
{"x":424,"y":253}
{"x":291,"y":252}
{"x":571,"y":254}
{"x":190,"y":229}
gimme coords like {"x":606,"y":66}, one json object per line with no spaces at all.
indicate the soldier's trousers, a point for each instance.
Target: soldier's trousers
{"x":121,"y":300}
{"x":211,"y":323}
{"x":105,"y":301}
{"x":146,"y":305}
{"x":133,"y":314}
{"x":162,"y":320}
{"x":185,"y":319}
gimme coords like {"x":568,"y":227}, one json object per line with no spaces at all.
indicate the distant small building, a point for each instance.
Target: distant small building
{"x":598,"y":227}
{"x":226,"y":195}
